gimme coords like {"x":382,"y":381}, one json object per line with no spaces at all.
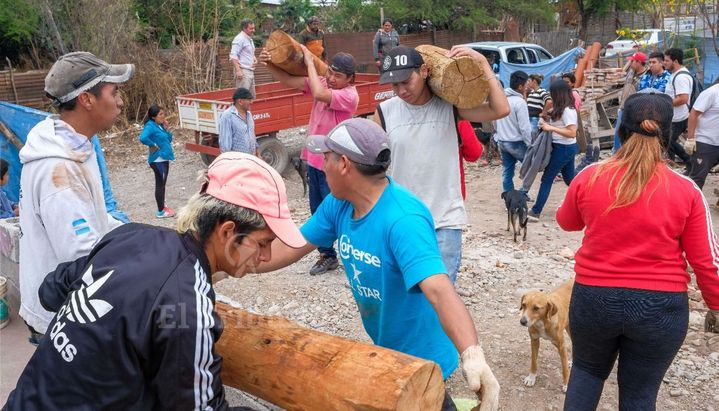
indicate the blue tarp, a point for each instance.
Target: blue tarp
{"x":20,"y":120}
{"x":563,"y":63}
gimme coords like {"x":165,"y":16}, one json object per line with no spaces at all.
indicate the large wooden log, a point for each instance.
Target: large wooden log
{"x":287,"y":55}
{"x":302,"y":369}
{"x":459,"y":81}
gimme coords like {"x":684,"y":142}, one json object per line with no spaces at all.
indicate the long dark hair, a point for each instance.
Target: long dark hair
{"x":152,"y":112}
{"x":562,"y":98}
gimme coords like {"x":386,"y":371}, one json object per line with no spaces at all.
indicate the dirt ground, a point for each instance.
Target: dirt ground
{"x":495,"y":273}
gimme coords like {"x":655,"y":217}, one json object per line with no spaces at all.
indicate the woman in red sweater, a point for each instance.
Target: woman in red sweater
{"x":470,"y":149}
{"x":641,"y":221}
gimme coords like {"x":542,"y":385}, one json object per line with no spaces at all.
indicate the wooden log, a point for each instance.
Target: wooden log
{"x":302,"y":369}
{"x":459,"y":81}
{"x":287,"y":55}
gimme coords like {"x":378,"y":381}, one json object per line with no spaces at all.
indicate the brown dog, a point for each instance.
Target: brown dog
{"x":547,"y":316}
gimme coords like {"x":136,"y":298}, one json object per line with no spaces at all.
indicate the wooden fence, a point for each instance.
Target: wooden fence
{"x":24,"y":88}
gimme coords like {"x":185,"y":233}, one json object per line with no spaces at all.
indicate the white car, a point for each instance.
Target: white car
{"x":640,"y":39}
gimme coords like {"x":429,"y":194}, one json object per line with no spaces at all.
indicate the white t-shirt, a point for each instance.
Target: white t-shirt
{"x":708,"y":124}
{"x":569,"y":117}
{"x":683,"y":85}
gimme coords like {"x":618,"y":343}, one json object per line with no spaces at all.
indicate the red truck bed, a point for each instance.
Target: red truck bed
{"x":275,"y":108}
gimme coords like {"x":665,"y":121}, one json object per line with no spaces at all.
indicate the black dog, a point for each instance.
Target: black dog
{"x":301,"y":168}
{"x":516,"y":203}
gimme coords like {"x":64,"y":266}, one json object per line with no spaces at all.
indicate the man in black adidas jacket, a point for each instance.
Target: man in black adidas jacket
{"x":135,"y":325}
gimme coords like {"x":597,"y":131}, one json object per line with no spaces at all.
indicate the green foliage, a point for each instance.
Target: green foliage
{"x":292,"y":15}
{"x":18,"y":20}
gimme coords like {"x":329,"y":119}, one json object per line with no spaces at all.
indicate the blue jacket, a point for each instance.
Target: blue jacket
{"x":6,"y":206}
{"x":155,"y":135}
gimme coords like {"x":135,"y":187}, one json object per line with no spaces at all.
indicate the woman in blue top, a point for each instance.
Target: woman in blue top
{"x":156,"y":136}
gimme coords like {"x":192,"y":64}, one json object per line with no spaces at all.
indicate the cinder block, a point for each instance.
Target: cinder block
{"x":10,"y":238}
{"x":10,"y":259}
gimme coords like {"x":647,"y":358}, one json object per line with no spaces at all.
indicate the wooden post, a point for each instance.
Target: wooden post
{"x":287,"y":55}
{"x":12,"y":80}
{"x":459,"y":81}
{"x":302,"y":369}
{"x":11,"y":136}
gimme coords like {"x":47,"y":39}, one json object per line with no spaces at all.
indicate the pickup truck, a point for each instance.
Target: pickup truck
{"x":275,"y":108}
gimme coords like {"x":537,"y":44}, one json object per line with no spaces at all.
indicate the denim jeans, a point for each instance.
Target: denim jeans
{"x":318,"y":190}
{"x":676,"y":149}
{"x":534,"y":122}
{"x":450,"y":248}
{"x":511,"y":152}
{"x":645,"y":329}
{"x":617,"y":143}
{"x":562,"y":160}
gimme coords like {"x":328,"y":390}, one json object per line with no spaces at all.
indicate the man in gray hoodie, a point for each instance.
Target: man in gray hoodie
{"x":513,"y":134}
{"x":63,"y":212}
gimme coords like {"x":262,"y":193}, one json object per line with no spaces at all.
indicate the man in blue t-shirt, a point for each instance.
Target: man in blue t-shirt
{"x":389,"y":250}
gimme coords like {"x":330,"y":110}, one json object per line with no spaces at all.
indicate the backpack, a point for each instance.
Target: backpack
{"x":697,"y":88}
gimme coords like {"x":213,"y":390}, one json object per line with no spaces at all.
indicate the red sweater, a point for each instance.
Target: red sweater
{"x":470,"y":150}
{"x":640,"y":246}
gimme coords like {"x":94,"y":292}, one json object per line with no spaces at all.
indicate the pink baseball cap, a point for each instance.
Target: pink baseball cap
{"x":247,"y":181}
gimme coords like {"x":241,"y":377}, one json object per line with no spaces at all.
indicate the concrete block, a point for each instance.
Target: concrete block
{"x":10,"y":238}
{"x":10,"y":259}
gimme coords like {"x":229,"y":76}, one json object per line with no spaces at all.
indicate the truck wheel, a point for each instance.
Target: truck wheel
{"x":273,"y":152}
{"x":208,"y":140}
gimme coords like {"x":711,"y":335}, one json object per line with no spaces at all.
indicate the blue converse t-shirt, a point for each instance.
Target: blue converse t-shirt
{"x":386,"y":254}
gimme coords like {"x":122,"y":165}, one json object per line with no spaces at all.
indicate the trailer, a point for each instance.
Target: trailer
{"x":275,"y":108}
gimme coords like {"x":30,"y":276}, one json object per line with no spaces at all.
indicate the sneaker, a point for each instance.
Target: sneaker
{"x":165,"y":213}
{"x":532,"y":217}
{"x":324,"y":264}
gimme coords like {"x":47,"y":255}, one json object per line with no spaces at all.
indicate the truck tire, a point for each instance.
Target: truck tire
{"x":273,"y":152}
{"x":207,"y":139}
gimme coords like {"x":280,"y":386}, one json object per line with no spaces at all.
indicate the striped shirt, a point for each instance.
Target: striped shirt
{"x":536,"y":101}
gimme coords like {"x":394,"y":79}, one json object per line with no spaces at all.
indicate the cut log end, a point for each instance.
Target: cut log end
{"x":459,"y":81}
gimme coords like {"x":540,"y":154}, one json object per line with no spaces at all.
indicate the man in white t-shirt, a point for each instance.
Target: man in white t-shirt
{"x":679,"y":88}
{"x":422,"y":135}
{"x":703,"y":127}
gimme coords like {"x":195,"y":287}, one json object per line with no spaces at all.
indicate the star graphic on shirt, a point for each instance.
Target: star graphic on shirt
{"x":357,"y":273}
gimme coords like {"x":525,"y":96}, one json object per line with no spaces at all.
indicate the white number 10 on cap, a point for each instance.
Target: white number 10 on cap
{"x":400,"y":60}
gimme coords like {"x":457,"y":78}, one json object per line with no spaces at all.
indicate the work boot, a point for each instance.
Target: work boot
{"x":324,"y":264}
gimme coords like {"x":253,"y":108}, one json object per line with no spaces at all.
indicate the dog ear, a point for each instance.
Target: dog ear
{"x":521,"y":302}
{"x":551,"y":309}
{"x":504,"y":194}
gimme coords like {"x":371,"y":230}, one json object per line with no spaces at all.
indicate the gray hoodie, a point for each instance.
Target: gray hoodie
{"x":62,"y":208}
{"x":515,"y":126}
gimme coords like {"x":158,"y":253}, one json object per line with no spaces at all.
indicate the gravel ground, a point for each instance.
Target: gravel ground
{"x":495,"y":273}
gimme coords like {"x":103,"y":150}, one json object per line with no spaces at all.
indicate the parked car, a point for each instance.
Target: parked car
{"x":498,"y":52}
{"x":639,"y":39}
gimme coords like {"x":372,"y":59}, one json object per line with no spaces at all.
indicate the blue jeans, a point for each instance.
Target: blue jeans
{"x":645,"y":329}
{"x":450,"y":248}
{"x":617,"y":143}
{"x":511,"y":152}
{"x":318,"y":190}
{"x":562,"y":160}
{"x":534,"y":122}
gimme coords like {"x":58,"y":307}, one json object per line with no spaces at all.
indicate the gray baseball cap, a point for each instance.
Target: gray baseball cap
{"x":79,"y":71}
{"x":359,"y":139}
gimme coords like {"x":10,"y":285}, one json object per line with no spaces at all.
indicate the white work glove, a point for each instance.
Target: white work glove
{"x":690,"y":146}
{"x":480,"y":378}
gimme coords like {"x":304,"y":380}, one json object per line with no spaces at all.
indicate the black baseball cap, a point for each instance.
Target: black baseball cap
{"x":343,"y":63}
{"x":399,"y":64}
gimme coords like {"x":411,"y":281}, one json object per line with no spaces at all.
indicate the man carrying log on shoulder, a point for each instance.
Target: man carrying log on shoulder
{"x":335,"y":99}
{"x":135,"y":324}
{"x":391,"y":258}
{"x":422,"y":134}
